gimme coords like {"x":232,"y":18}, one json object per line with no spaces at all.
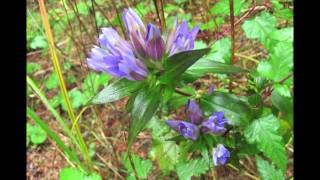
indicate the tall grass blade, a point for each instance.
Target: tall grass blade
{"x":63,"y":89}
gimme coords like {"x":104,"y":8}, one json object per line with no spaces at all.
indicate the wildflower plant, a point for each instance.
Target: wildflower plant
{"x":151,"y":67}
{"x":193,"y":130}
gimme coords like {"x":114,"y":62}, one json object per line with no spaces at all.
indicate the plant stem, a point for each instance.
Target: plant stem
{"x":232,"y":31}
{"x":163,"y":18}
{"x":132,"y":165}
{"x":158,"y":13}
{"x":119,"y":19}
{"x":247,"y":57}
{"x":179,"y":91}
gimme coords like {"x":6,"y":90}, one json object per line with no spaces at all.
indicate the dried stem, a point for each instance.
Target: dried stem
{"x":254,"y":3}
{"x":232,"y":31}
{"x":158,"y":13}
{"x":179,"y":91}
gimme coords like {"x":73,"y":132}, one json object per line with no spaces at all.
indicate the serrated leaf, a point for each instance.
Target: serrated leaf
{"x":283,"y":104}
{"x":116,"y":90}
{"x":144,"y":106}
{"x":260,"y":27}
{"x":222,"y":7}
{"x":194,"y":167}
{"x":264,"y":133}
{"x":142,"y":167}
{"x":72,"y":174}
{"x":202,"y":67}
{"x":279,"y":64}
{"x":236,"y":110}
{"x":267,"y":171}
{"x":220,"y":51}
{"x":179,"y":63}
{"x":284,"y":34}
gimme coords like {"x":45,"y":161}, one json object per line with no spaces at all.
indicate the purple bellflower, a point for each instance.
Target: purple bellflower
{"x":116,"y":57}
{"x":193,"y":112}
{"x":187,"y":130}
{"x":220,"y":155}
{"x":215,"y":124}
{"x":180,"y":39}
{"x":128,"y":59}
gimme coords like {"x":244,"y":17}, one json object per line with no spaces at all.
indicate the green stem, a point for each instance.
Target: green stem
{"x":132,"y":165}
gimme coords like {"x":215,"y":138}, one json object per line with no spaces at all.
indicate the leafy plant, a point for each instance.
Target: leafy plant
{"x":35,"y":134}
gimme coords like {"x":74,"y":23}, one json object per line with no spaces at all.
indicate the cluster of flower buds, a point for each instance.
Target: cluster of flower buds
{"x":191,"y":130}
{"x":130,"y":59}
{"x":196,"y":125}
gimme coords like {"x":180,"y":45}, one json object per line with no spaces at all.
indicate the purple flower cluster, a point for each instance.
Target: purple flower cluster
{"x":129,"y":59}
{"x":191,"y":130}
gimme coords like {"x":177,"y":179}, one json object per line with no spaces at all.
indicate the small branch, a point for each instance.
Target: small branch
{"x":232,"y":31}
{"x":162,"y":14}
{"x":177,"y":90}
{"x":247,"y":57}
{"x":254,"y":3}
{"x":158,"y":13}
{"x":286,"y":78}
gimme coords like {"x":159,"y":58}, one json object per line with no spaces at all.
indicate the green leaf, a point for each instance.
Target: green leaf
{"x":286,"y":14}
{"x":267,"y":171}
{"x":70,"y":173}
{"x":204,"y":66}
{"x":283,"y":104}
{"x":92,"y":83}
{"x":236,"y":109}
{"x":168,"y":8}
{"x":116,"y":90}
{"x":37,"y":135}
{"x":179,"y":63}
{"x":52,"y":81}
{"x":77,"y":98}
{"x":199,"y":45}
{"x":177,"y":100}
{"x":32,"y":67}
{"x":264,"y":133}
{"x":282,"y":89}
{"x":144,"y":106}
{"x":284,"y":34}
{"x":220,"y":51}
{"x":82,"y":8}
{"x":167,"y":153}
{"x":260,"y":27}
{"x":212,"y":24}
{"x":222,"y":7}
{"x":194,"y":167}
{"x":39,"y":42}
{"x":279,"y":64}
{"x":142,"y":167}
